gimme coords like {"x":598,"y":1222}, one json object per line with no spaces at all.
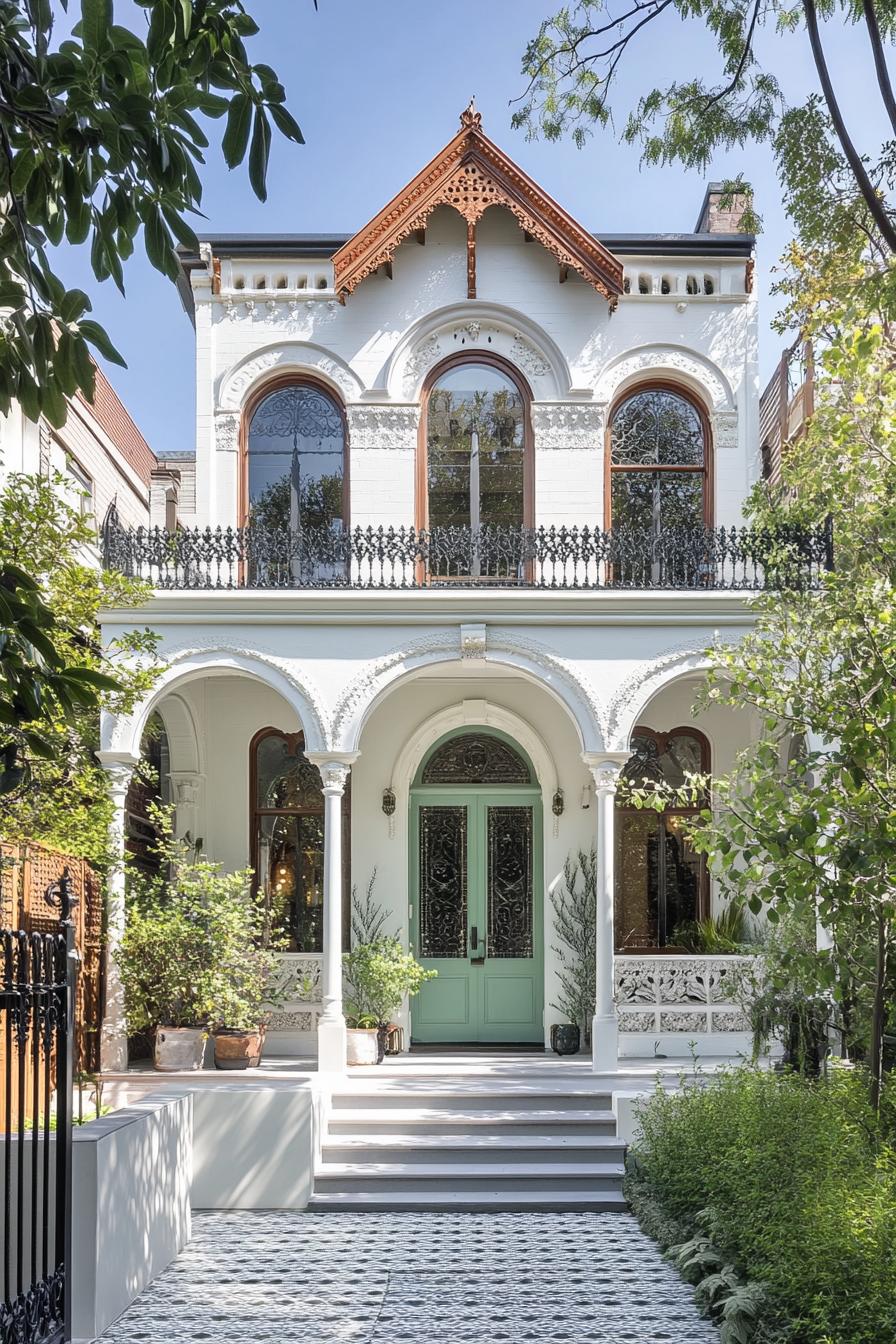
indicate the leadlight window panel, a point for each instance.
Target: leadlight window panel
{"x":296,"y":461}
{"x":658,"y":464}
{"x":475,"y":431}
{"x":510,"y":895}
{"x":664,"y":759}
{"x":443,"y":881}
{"x":658,"y":427}
{"x":476,"y":758}
{"x":284,"y":777}
{"x":290,"y":864}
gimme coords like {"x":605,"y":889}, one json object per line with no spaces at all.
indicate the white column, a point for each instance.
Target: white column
{"x":119,"y":767}
{"x":606,"y":768}
{"x":334,"y":771}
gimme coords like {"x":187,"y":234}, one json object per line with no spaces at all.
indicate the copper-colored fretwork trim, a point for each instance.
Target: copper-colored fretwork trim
{"x":471,"y":174}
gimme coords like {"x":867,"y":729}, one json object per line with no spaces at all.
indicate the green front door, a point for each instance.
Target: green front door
{"x":476,"y":913}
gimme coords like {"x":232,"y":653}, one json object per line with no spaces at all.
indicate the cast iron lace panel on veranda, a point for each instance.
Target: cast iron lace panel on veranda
{"x":443,"y":881}
{"x":510,"y":881}
{"x":476,"y":758}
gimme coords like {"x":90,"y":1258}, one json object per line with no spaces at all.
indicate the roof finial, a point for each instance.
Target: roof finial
{"x":470,"y":117}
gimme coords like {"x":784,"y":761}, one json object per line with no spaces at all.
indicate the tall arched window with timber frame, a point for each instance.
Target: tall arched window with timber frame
{"x":659,"y":464}
{"x":661,"y":882}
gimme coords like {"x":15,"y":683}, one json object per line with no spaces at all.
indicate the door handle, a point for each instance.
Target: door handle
{"x":474,"y":938}
{"x":477,"y":956}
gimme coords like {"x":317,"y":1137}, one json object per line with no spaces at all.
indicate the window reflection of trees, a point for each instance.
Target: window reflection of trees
{"x":296,"y":461}
{"x":661,"y":882}
{"x":658,"y":463}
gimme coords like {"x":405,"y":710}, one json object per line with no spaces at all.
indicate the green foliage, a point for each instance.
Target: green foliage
{"x":787,"y":1004}
{"x":102,"y":133}
{"x":574,"y":902}
{"x":786,"y":1190}
{"x":194,"y":952}
{"x":727,"y":933}
{"x":380,"y":974}
{"x":59,"y":795}
{"x":368,"y":915}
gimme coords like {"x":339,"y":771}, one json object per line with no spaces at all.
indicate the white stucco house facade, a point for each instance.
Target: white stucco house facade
{"x":464,"y":485}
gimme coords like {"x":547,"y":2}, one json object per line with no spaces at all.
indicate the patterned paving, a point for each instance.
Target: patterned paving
{"x":293,"y":1278}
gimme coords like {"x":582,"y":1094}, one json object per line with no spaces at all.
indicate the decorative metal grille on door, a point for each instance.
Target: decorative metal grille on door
{"x":510,"y":882}
{"x":443,"y":881}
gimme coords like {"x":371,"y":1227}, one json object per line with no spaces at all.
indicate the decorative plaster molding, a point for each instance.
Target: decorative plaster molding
{"x":334,"y":777}
{"x":288,"y":355}
{"x":312,"y":716}
{"x":527,"y":358}
{"x":724,"y":431}
{"x":420,"y":361}
{"x":557,"y":668}
{"x":703,"y":376}
{"x":567,"y":424}
{"x":364,"y":687}
{"x":643,"y":683}
{"x":473,"y":642}
{"x":382,"y":426}
{"x":227,"y":433}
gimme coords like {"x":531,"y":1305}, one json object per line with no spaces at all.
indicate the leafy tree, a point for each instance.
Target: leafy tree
{"x":573,"y":63}
{"x":100,"y":138}
{"x":804,"y":826}
{"x":54,"y":674}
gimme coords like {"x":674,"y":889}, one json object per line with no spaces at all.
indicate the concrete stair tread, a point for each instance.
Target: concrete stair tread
{"x":403,"y":1092}
{"x":496,"y":1142}
{"x":610,"y":1201}
{"x":452,"y":1171}
{"x":427,"y":1115}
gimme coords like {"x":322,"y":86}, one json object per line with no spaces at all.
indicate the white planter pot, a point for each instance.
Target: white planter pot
{"x":361,"y":1045}
{"x":179,"y":1049}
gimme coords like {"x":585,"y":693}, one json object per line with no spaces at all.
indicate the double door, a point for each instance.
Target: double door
{"x":476,"y":914}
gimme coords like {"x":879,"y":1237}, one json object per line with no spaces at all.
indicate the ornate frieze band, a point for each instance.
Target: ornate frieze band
{"x":385,"y":427}
{"x":567,"y":424}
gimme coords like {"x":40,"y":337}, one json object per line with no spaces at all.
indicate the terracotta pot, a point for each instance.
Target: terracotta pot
{"x":361,"y":1045}
{"x":238,"y":1049}
{"x":565,"y":1038}
{"x":178,"y":1049}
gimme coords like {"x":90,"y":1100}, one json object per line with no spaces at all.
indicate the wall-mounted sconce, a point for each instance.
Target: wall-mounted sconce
{"x":586,"y":796}
{"x":389,"y":802}
{"x":557,"y":803}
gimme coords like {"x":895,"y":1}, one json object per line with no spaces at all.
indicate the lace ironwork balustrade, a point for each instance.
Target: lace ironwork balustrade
{"x":792,"y":557}
{"x":684,"y":994}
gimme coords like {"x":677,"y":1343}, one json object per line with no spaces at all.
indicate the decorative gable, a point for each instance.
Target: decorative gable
{"x":470,"y":175}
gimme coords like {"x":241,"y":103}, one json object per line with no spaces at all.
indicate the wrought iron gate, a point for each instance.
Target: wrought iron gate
{"x":38,"y":974}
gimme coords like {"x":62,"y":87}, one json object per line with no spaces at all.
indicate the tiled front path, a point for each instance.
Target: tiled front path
{"x":492,"y":1278}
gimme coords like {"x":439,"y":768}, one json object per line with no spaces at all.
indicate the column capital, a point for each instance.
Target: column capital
{"x":605,"y":767}
{"x":119,"y":767}
{"x":334,"y":767}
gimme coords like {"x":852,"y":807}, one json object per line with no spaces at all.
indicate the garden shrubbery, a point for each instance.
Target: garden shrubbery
{"x":785,"y":1190}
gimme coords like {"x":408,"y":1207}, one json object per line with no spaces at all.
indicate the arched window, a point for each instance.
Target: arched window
{"x":659,"y":464}
{"x":476,"y":458}
{"x":476,"y":758}
{"x":661,"y":883}
{"x":295,"y":467}
{"x":287,"y":818}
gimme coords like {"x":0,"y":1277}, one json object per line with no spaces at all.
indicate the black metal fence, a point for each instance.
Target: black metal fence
{"x":37,"y":994}
{"x":500,"y":556}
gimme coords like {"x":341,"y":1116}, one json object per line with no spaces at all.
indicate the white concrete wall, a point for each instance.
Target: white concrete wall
{"x":375,"y":351}
{"x":253,"y":1147}
{"x":131,"y":1175}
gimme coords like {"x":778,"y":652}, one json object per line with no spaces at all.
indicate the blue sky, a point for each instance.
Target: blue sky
{"x":377,"y":86}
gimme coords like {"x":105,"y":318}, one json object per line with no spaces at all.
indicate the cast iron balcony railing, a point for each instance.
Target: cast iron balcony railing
{"x":493,"y":556}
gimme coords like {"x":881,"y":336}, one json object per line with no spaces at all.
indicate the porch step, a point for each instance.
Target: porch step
{"x":508,"y":1123}
{"x":483,"y":1095}
{"x":466,"y":1201}
{"x":469,"y":1144}
{"x":475,"y":1150}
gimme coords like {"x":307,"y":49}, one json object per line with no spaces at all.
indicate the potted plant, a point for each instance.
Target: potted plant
{"x":575,"y":914}
{"x":178,"y":947}
{"x":379,"y":974}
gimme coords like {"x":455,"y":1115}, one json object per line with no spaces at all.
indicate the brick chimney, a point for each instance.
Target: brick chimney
{"x":713,"y":219}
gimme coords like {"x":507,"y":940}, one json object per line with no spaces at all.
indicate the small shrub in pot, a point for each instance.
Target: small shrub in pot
{"x":379,"y":975}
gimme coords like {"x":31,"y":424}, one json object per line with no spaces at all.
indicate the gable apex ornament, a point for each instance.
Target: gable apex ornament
{"x":470,"y":175}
